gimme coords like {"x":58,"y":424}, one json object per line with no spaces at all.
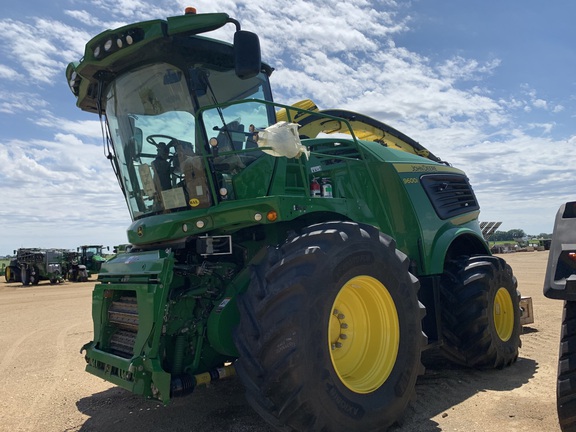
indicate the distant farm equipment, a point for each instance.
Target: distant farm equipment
{"x":39,"y":264}
{"x":32,"y":265}
{"x":92,"y":257}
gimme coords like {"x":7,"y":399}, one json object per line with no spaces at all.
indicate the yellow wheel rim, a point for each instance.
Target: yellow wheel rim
{"x":364,"y":334}
{"x":503,"y":314}
{"x":7,"y":274}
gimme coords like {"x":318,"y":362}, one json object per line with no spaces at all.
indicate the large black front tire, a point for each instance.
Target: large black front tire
{"x":566,"y":385}
{"x":330,"y":332}
{"x":480,"y":312}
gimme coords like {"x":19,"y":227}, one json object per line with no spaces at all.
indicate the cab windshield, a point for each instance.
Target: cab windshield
{"x":163,"y":157}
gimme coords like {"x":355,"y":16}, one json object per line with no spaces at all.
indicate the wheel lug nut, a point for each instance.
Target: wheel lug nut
{"x":343,"y":336}
{"x":341,"y":316}
{"x":344,"y":325}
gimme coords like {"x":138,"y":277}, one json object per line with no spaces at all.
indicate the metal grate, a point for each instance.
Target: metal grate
{"x":450,"y":194}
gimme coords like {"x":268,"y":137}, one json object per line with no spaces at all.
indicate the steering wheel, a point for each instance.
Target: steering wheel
{"x":152,"y":139}
{"x":171,"y":156}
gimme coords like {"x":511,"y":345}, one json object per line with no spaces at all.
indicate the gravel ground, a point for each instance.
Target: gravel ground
{"x":45,"y":388}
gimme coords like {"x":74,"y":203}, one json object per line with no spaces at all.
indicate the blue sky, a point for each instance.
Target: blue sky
{"x":488,"y":86}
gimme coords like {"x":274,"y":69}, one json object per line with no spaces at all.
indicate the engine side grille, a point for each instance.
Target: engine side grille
{"x":123,"y":315}
{"x":450,"y":194}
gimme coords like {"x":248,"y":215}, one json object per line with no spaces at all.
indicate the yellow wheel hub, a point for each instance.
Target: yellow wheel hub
{"x":503,"y":314}
{"x":364,"y":334}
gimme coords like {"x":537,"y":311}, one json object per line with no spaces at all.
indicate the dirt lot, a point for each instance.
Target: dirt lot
{"x":45,"y":389}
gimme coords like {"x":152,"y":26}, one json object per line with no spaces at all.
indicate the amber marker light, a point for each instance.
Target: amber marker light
{"x":190,"y":11}
{"x":271,"y":215}
{"x":572,"y":256}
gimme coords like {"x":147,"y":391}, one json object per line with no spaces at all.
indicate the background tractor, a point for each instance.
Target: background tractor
{"x":39,"y":264}
{"x":91,"y":257}
{"x":314,"y":253}
{"x":560,"y":283}
{"x":72,"y":267}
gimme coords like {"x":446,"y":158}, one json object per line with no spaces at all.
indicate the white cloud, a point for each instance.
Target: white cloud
{"x":458,"y":68}
{"x":85,"y":128}
{"x":540,"y":103}
{"x":40,"y":49}
{"x":7,"y":73}
{"x":19,"y":102}
{"x":61,"y":186}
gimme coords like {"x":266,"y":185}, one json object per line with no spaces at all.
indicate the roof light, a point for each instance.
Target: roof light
{"x":190,"y":11}
{"x":108,"y":45}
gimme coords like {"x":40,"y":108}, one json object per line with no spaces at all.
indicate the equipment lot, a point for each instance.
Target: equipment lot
{"x":45,"y":388}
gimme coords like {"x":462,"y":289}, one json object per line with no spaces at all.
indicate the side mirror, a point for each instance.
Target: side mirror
{"x":247,"y":55}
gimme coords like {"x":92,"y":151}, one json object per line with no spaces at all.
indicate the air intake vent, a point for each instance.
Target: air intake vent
{"x":450,"y":194}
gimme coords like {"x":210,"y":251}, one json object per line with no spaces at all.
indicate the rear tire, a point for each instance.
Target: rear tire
{"x":566,"y":384}
{"x":480,"y":312}
{"x":330,"y":333}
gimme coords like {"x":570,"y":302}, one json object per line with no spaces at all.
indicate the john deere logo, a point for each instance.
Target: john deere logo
{"x":194,"y":202}
{"x":140,"y":231}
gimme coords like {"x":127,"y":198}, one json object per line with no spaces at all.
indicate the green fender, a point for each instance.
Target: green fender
{"x":448,"y":239}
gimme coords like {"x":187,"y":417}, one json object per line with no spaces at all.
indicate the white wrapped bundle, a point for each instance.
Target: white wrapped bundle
{"x":283,"y":140}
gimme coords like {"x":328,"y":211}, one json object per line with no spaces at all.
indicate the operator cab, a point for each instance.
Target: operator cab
{"x":169,"y":160}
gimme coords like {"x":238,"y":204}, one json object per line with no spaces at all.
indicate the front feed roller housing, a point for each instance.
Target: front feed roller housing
{"x":143,"y":337}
